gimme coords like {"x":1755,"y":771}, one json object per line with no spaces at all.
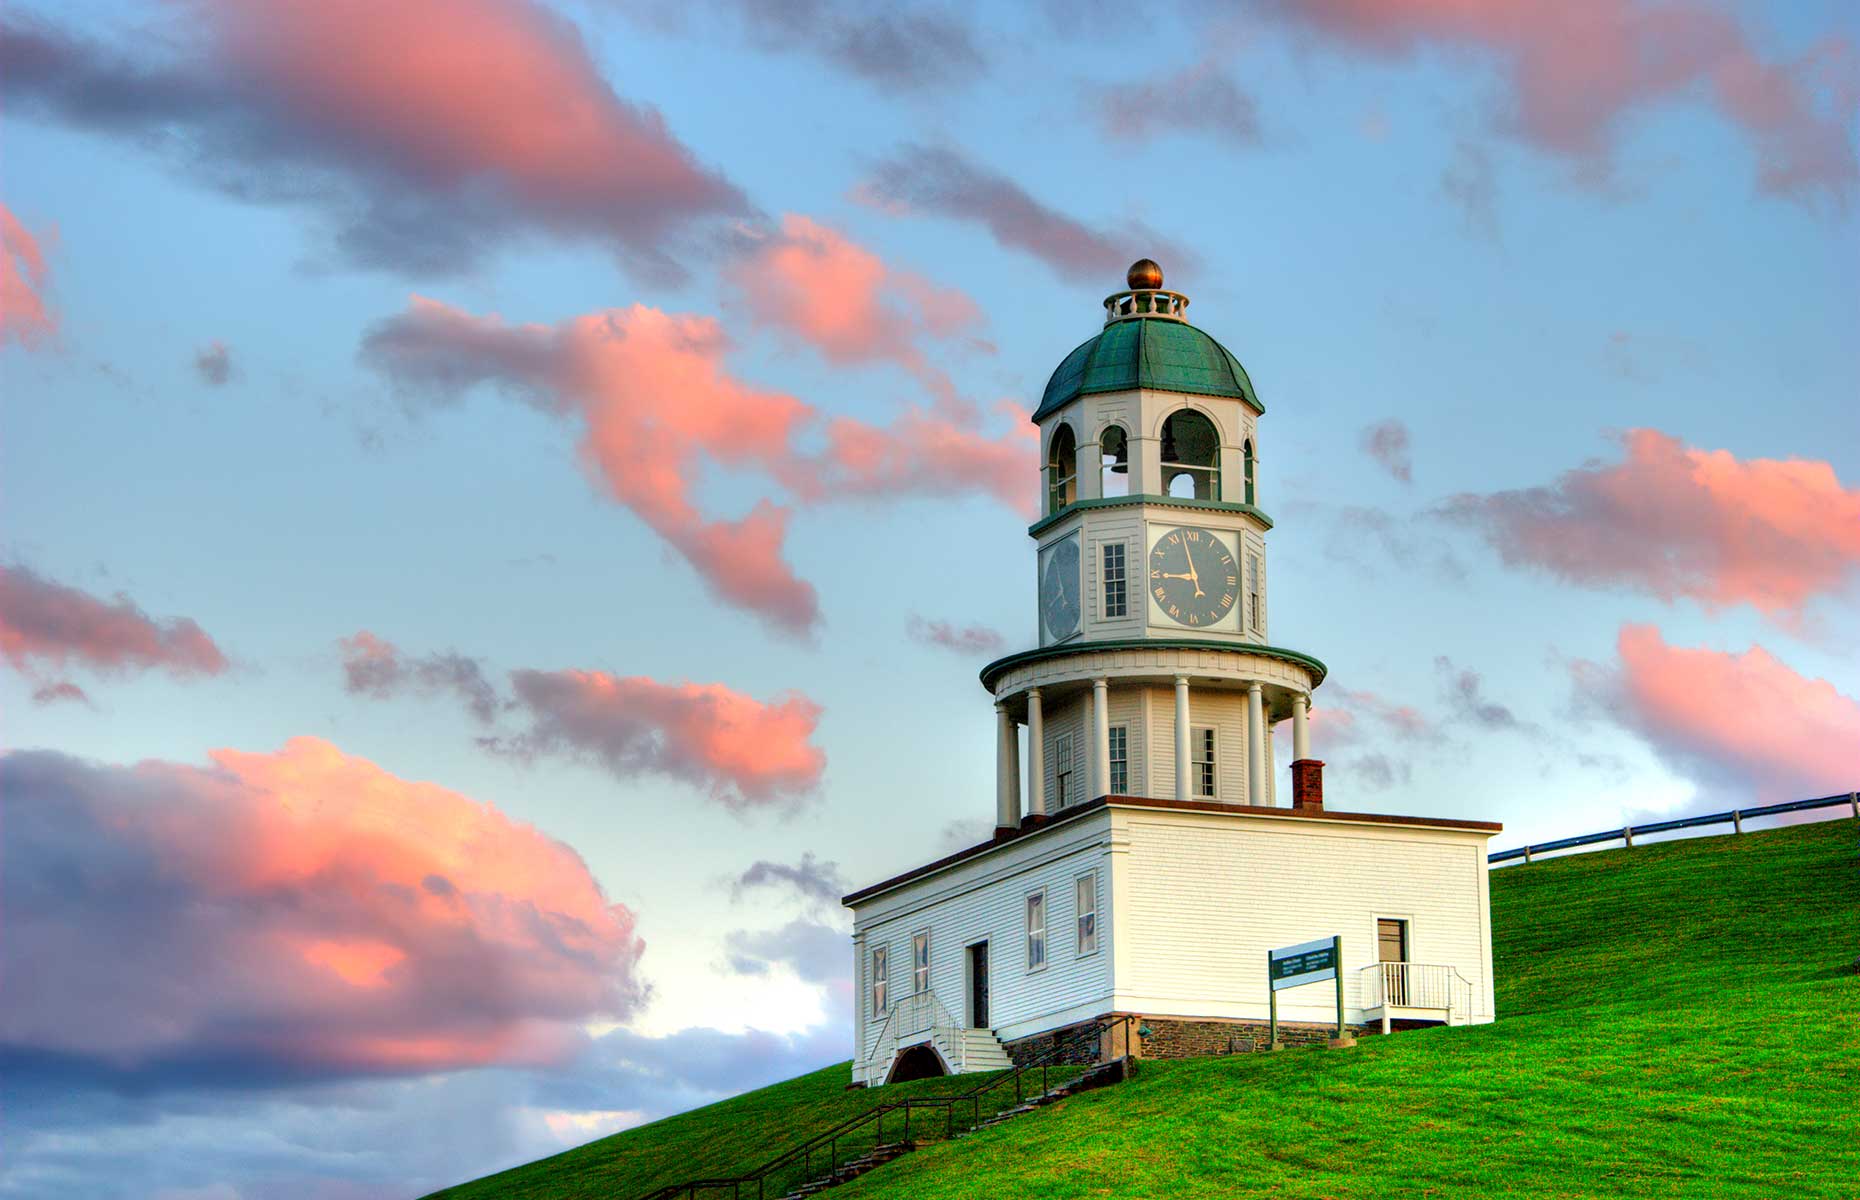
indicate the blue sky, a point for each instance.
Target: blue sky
{"x":1369,"y":215}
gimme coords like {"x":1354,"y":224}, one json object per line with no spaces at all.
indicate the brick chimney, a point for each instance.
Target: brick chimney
{"x":1308,"y":785}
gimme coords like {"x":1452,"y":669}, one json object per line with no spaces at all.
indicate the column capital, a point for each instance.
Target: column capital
{"x":1001,"y":708}
{"x":1034,"y":693}
{"x":1181,"y":681}
{"x":1255,"y":687}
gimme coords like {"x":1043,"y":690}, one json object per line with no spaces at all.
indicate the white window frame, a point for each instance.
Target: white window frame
{"x":920,"y":974}
{"x":1065,"y":764}
{"x":881,"y":980}
{"x":1087,"y":942}
{"x":1120,"y":765}
{"x":1200,"y":736}
{"x":1036,"y":936}
{"x":1121,"y":579}
{"x":1256,"y":609}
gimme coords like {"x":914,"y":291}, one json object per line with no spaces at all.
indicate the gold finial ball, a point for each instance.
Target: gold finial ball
{"x":1144,"y":275}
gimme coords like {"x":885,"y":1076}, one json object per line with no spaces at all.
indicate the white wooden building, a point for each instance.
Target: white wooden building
{"x":1142,"y":863}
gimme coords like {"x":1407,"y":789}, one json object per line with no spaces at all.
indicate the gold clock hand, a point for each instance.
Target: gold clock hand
{"x":1192,"y":573}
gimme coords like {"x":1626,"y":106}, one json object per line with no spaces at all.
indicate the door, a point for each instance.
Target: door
{"x":978,"y":986}
{"x":1392,"y":947}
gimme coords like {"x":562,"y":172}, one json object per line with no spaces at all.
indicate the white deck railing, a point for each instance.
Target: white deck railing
{"x":914,"y":1019}
{"x":1417,"y":986}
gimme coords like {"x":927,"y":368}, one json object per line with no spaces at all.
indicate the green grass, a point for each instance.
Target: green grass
{"x":1679,"y":1019}
{"x":726,"y":1138}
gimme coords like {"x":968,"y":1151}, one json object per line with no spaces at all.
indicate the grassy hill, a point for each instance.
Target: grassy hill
{"x":1679,"y":1019}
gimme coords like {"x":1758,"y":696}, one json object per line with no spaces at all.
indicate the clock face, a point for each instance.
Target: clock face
{"x":1193,"y":577}
{"x":1059,"y":590}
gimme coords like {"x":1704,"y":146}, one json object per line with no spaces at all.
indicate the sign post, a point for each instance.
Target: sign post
{"x":1307,"y":962}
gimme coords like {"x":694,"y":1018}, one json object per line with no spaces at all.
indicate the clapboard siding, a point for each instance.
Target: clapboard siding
{"x":1208,"y":895}
{"x":985,"y":900}
{"x":1225,"y":712}
{"x":1067,"y":716}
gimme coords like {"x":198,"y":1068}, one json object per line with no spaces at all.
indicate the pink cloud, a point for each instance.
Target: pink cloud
{"x":24,"y":317}
{"x":942,"y":182}
{"x":744,"y":751}
{"x":1202,"y":97}
{"x":373,"y":666}
{"x":1743,"y":722}
{"x":967,"y":639}
{"x":655,"y":401}
{"x":1387,"y":443}
{"x":1674,"y":521}
{"x":653,"y":398}
{"x":295,"y":913}
{"x":842,"y":299}
{"x":46,"y":624}
{"x":421,"y":129}
{"x":923,"y":453}
{"x":1404,"y":721}
{"x":1575,"y":72}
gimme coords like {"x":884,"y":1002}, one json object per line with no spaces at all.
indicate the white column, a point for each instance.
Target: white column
{"x":1101,"y":736}
{"x":1255,"y":746}
{"x":1036,"y":755}
{"x":1007,"y":769}
{"x":1301,"y":734}
{"x":1182,"y":788}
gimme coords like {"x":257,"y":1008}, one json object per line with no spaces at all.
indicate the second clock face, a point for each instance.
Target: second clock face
{"x":1193,"y":577}
{"x":1059,"y":590}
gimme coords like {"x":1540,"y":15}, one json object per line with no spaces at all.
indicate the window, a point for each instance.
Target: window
{"x":1062,"y":466}
{"x":1120,"y":760}
{"x":1115,"y":601}
{"x":1114,"y":455}
{"x":1392,"y":947}
{"x":1202,"y":746}
{"x":1062,"y":770}
{"x":920,"y":962}
{"x":1246,"y":452}
{"x":880,"y":979}
{"x":1036,"y":931}
{"x":1191,"y":456}
{"x":1252,"y":592}
{"x":1085,"y":891}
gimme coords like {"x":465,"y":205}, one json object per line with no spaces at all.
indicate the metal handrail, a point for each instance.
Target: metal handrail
{"x":1735,"y":816}
{"x":830,"y":1138}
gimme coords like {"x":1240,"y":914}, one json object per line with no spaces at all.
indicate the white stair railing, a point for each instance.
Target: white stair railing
{"x":1417,"y":985}
{"x":909,"y":1019}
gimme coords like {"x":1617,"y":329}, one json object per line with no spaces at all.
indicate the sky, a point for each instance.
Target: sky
{"x":503,"y":503}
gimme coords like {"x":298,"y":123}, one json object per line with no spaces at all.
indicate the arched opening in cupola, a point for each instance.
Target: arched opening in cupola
{"x":1246,"y":451}
{"x":1062,"y":467}
{"x":1114,"y":454}
{"x":1191,"y":456}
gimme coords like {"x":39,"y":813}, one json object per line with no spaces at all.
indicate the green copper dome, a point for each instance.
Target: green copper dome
{"x":1166,"y":354}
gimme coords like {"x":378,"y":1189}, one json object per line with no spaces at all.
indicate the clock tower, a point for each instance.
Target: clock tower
{"x":1154,"y":675}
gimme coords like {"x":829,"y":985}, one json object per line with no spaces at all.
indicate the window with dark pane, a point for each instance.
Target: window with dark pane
{"x":1203,"y":743}
{"x":1115,"y":596}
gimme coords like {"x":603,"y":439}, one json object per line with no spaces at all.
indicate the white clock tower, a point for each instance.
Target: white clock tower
{"x":1154,"y":675}
{"x":1138,"y":878}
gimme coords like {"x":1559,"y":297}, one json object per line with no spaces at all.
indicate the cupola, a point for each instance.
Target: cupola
{"x":1146,"y":342}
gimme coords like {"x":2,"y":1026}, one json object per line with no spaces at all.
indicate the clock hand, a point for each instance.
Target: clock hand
{"x":1192,"y":573}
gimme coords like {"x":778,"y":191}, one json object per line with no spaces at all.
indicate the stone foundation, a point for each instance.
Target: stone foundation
{"x":1079,"y":1044}
{"x":1172,"y":1037}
